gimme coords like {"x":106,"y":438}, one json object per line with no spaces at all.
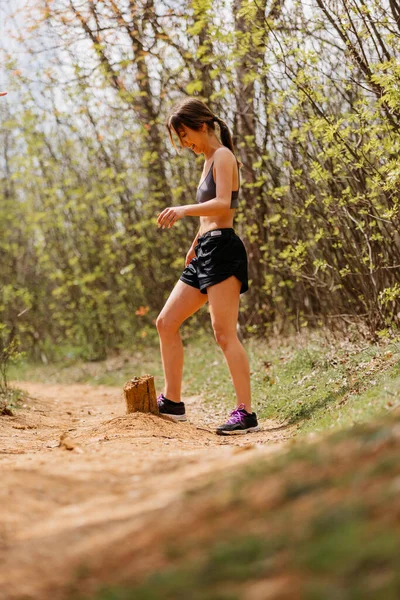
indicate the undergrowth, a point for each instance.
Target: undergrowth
{"x":311,"y":382}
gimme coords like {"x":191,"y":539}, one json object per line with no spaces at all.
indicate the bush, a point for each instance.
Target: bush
{"x":8,"y":353}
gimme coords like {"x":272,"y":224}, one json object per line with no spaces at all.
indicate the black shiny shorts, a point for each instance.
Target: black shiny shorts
{"x":220,"y":253}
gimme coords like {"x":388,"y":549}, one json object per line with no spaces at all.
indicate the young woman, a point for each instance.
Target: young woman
{"x":215,"y":266}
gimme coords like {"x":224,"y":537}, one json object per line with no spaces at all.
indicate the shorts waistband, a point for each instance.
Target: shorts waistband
{"x":222,"y":231}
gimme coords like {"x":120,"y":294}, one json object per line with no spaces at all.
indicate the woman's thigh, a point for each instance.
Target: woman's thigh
{"x":183,"y":302}
{"x":223,"y":299}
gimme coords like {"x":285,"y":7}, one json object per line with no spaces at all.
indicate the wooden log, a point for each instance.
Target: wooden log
{"x":140,"y":395}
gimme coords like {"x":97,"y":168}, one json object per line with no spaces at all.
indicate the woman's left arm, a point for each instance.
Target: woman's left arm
{"x":224,"y":162}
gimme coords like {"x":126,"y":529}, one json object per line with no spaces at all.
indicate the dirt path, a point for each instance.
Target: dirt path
{"x":77,"y":474}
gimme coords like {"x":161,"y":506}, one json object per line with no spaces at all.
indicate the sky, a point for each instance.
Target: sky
{"x":8,"y":29}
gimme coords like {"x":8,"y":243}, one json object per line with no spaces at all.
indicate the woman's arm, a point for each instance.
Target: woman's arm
{"x":195,"y":239}
{"x":191,"y":252}
{"x":211,"y":208}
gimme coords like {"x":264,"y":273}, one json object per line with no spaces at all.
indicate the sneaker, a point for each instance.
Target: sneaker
{"x":240,"y":421}
{"x":175,"y":410}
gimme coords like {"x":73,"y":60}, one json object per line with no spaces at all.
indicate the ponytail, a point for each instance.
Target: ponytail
{"x":192,"y":113}
{"x":226,"y":137}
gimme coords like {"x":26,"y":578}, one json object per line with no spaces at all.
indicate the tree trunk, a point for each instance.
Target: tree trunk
{"x":140,"y":395}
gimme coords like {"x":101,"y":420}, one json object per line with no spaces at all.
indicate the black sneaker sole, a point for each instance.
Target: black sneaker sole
{"x":238,"y":431}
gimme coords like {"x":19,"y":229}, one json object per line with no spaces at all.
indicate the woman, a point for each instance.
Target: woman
{"x":215,"y":266}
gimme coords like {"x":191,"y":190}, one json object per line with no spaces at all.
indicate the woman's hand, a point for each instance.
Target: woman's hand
{"x":170,"y":215}
{"x":190,"y":256}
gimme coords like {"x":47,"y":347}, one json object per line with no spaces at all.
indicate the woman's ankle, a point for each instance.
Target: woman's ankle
{"x":172,"y":398}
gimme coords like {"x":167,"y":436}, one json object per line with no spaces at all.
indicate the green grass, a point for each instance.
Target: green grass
{"x":114,"y":371}
{"x":310,"y":383}
{"x":319,"y":387}
{"x":345,"y":550}
{"x":11,"y":400}
{"x":333,"y":527}
{"x":316,"y":387}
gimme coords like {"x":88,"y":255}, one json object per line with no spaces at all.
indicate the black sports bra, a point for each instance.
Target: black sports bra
{"x":208,"y":190}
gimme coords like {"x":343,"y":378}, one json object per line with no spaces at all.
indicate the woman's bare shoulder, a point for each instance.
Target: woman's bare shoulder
{"x":224,"y":156}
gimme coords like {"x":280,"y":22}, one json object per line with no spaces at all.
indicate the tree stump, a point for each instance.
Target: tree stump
{"x":140,"y":395}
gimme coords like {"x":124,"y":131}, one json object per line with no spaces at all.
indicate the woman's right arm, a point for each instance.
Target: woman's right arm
{"x":191,"y":254}
{"x":195,"y":239}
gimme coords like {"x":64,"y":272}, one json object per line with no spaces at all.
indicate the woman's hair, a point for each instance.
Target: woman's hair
{"x":192,"y":112}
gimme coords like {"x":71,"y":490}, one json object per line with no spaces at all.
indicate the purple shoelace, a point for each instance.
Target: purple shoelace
{"x":236,"y":415}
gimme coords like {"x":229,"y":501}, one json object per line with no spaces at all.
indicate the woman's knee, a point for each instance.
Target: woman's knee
{"x":223,"y":337}
{"x":165,"y":325}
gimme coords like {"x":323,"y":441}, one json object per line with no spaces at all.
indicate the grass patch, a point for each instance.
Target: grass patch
{"x":213,"y":577}
{"x":350,"y":556}
{"x":332,"y":537}
{"x":322,"y":387}
{"x":10,"y":401}
{"x":311,"y":383}
{"x":114,"y":371}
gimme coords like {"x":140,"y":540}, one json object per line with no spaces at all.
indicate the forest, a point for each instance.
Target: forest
{"x":311,"y":92}
{"x":103,"y":499}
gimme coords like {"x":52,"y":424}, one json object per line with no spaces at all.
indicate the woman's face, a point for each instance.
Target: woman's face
{"x":194,"y":140}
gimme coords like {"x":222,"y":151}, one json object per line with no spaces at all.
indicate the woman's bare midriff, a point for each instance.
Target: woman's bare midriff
{"x":220,"y":222}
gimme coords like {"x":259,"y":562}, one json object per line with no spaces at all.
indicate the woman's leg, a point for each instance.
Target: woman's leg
{"x":223,"y":300}
{"x":183,"y":302}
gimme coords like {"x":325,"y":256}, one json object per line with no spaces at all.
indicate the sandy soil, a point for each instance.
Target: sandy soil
{"x":78,"y":474}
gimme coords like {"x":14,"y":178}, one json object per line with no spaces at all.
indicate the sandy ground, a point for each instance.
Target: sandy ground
{"x":78,"y":475}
